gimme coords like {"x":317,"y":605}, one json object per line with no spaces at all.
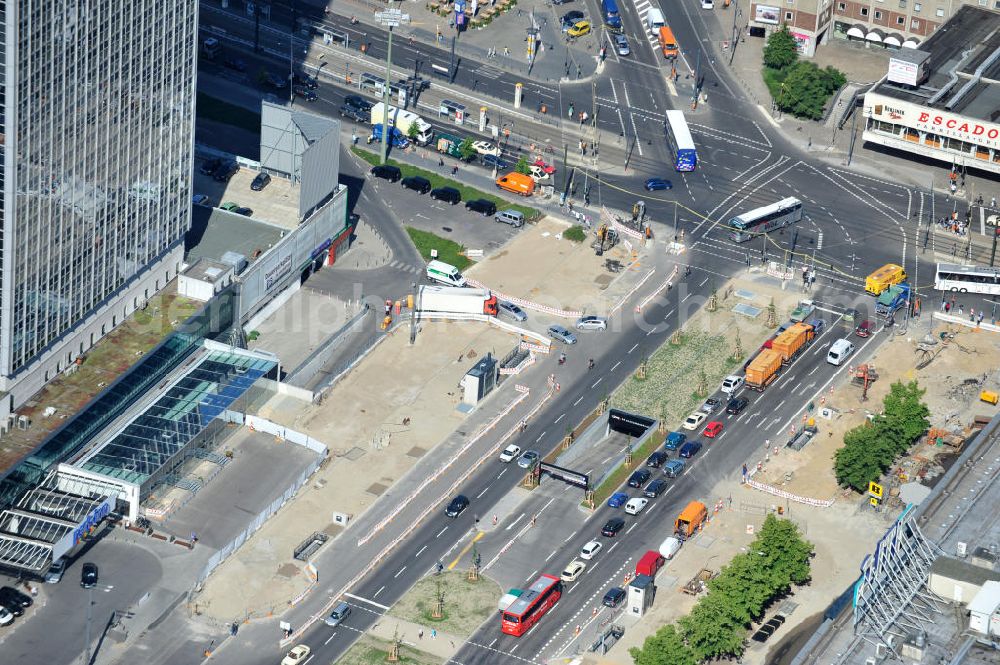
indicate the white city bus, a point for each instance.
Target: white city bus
{"x":967,"y":279}
{"x":751,"y":224}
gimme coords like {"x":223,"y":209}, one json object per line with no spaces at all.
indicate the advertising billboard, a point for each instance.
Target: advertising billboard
{"x":766,"y":14}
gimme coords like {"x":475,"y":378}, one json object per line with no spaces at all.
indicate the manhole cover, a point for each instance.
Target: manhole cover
{"x":377,"y":489}
{"x":446,"y":229}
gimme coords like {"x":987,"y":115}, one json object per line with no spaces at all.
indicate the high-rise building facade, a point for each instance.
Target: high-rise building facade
{"x":97,"y":132}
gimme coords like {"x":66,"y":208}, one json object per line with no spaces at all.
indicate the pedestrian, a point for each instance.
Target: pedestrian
{"x":506,"y":51}
{"x":993,"y":202}
{"x":944,"y":305}
{"x":961,"y":309}
{"x":454,"y":169}
{"x":972,"y":313}
{"x":979,"y":321}
{"x":434,"y":633}
{"x":947,"y":307}
{"x":420,"y":634}
{"x":440,"y":161}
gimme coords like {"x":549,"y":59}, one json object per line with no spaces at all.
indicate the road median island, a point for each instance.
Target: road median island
{"x":438,"y":180}
{"x":466,"y":603}
{"x":619,"y":475}
{"x":447,"y":250}
{"x":370,"y":650}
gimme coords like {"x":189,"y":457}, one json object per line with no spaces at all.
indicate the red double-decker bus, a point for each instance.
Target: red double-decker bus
{"x":531,"y":605}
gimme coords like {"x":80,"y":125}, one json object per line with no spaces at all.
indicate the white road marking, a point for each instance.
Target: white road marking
{"x":531,"y":577}
{"x":440,"y":532}
{"x":685,"y":297}
{"x":485,"y":490}
{"x":511,"y":525}
{"x":560,"y":418}
{"x":380,"y":590}
{"x":633,"y":348}
{"x":578,"y":400}
{"x":594,"y":384}
{"x":703,"y":282}
{"x":551,"y":555}
{"x":494,"y":641}
{"x":634,"y":525}
{"x":399,"y":573}
{"x":365,"y":600}
{"x":420,"y":551}
{"x":613,"y":368}
{"x":330,"y":638}
{"x":570,"y":537}
{"x":539,"y":437}
{"x":668,"y":315}
{"x":501,"y":473}
{"x":611,"y":549}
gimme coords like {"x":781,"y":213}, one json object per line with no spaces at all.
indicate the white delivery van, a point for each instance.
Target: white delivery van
{"x":670,"y":546}
{"x":439,"y":271}
{"x":839,"y":351}
{"x":654,"y":19}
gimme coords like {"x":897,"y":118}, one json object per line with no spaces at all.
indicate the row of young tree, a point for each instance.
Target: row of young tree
{"x":717,"y":626}
{"x":871,"y":448}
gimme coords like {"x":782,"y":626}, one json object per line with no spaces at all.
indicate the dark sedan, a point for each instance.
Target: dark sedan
{"x":658,"y":184}
{"x":736,"y":405}
{"x":654,"y":489}
{"x":457,"y":505}
{"x":639,"y":478}
{"x":690,"y":449}
{"x":612,"y":527}
{"x":657,"y":459}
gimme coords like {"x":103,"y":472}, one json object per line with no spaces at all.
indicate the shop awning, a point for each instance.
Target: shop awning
{"x":856,"y":31}
{"x":876,"y":36}
{"x":893,"y":40}
{"x":911,"y":43}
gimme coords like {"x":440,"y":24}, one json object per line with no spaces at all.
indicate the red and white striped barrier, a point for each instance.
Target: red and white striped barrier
{"x":569,"y":314}
{"x":667,"y":283}
{"x":625,"y":230}
{"x":770,"y":489}
{"x":537,"y":348}
{"x":627,"y":296}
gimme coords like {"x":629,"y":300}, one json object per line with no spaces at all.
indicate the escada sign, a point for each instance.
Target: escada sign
{"x":958,"y":125}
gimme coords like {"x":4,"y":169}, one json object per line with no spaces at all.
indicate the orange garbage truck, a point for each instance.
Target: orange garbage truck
{"x":763,"y":369}
{"x":790,"y":343}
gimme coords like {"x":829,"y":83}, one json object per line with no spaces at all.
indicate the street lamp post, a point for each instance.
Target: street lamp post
{"x":90,"y":605}
{"x":389,"y":19}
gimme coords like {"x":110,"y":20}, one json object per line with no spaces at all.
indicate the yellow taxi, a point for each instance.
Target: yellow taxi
{"x":579,"y":29}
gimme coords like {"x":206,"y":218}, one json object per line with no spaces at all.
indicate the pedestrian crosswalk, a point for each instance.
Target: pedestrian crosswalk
{"x":399,"y":265}
{"x":642,"y":8}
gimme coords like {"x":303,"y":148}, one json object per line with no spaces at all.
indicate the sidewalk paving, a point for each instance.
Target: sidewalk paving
{"x":441,"y":645}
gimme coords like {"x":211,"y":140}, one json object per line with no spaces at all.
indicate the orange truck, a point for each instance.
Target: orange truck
{"x":690,"y":519}
{"x":518,"y":183}
{"x":668,"y":44}
{"x":790,"y":343}
{"x":763,"y":369}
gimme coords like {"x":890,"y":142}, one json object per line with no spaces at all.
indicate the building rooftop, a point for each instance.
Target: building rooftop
{"x":963,"y":63}
{"x":207,"y":270}
{"x":957,"y":569}
{"x":67,"y":394}
{"x":215,"y":232}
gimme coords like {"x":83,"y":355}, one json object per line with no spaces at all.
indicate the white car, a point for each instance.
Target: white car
{"x":486,"y":148}
{"x":573,"y":571}
{"x":6,"y":618}
{"x":592,"y":322}
{"x":510,"y":453}
{"x":708,"y":4}
{"x":297,"y":655}
{"x":538,"y":174}
{"x":590,"y":550}
{"x":731,"y":384}
{"x":635,"y":506}
{"x":694,"y":421}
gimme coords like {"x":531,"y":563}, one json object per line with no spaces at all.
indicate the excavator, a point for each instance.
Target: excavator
{"x":606,"y":239}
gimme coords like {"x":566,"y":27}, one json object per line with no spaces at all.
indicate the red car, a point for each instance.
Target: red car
{"x":546,"y":168}
{"x":864,"y":329}
{"x":713,"y":429}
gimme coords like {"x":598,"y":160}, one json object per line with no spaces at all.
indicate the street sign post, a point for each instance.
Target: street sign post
{"x":389,"y":19}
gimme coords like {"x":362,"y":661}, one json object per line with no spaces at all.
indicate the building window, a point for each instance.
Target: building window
{"x":864,"y":11}
{"x":841,"y":6}
{"x":900,"y":20}
{"x":878,"y":15}
{"x":788,"y":16}
{"x":902,"y":4}
{"x":917,"y":6}
{"x":914,"y":24}
{"x":939,"y":12}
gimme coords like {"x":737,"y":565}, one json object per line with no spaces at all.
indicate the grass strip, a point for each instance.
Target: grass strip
{"x":448,"y":251}
{"x":437,"y":180}
{"x":217,"y":110}
{"x":619,"y":475}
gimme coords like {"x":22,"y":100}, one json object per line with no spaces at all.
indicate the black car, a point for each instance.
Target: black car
{"x":457,"y":505}
{"x":242,"y":210}
{"x":654,"y":488}
{"x":736,"y":405}
{"x":261,"y":181}
{"x":305,"y":93}
{"x":639,"y":478}
{"x":569,"y":19}
{"x":211,"y":166}
{"x":657,"y":459}
{"x":12,"y":607}
{"x":612,"y":527}
{"x":482,"y":206}
{"x":387,"y":172}
{"x":16,"y":597}
{"x":226,"y":171}
{"x":358,"y":102}
{"x":354,"y":113}
{"x":235,"y":64}
{"x":446,"y":194}
{"x":307,"y":82}
{"x":416,"y":183}
{"x":88,"y":576}
{"x":614,"y":597}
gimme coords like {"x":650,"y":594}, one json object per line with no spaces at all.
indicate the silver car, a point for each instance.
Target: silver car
{"x":621,"y":45}
{"x":512,"y":310}
{"x":592,"y":323}
{"x":560,"y":334}
{"x":528,"y":459}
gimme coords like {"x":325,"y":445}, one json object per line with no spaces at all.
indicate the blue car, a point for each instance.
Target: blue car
{"x":654,"y":184}
{"x":617,"y":500}
{"x":492,"y":161}
{"x":674,"y":441}
{"x":690,"y":449}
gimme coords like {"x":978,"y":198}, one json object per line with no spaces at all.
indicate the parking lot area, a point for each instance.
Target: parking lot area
{"x":277,"y":203}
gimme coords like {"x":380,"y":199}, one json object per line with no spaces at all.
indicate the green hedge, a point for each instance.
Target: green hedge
{"x":438,"y":180}
{"x":448,"y":251}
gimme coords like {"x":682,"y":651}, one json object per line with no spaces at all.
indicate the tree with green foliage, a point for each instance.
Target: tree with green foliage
{"x":711,"y":630}
{"x":784,"y":553}
{"x":781,"y":51}
{"x":665,"y":647}
{"x":747,"y":586}
{"x":871,"y":448}
{"x":466,"y":150}
{"x":412,"y":131}
{"x":522,"y":166}
{"x":806,"y":89}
